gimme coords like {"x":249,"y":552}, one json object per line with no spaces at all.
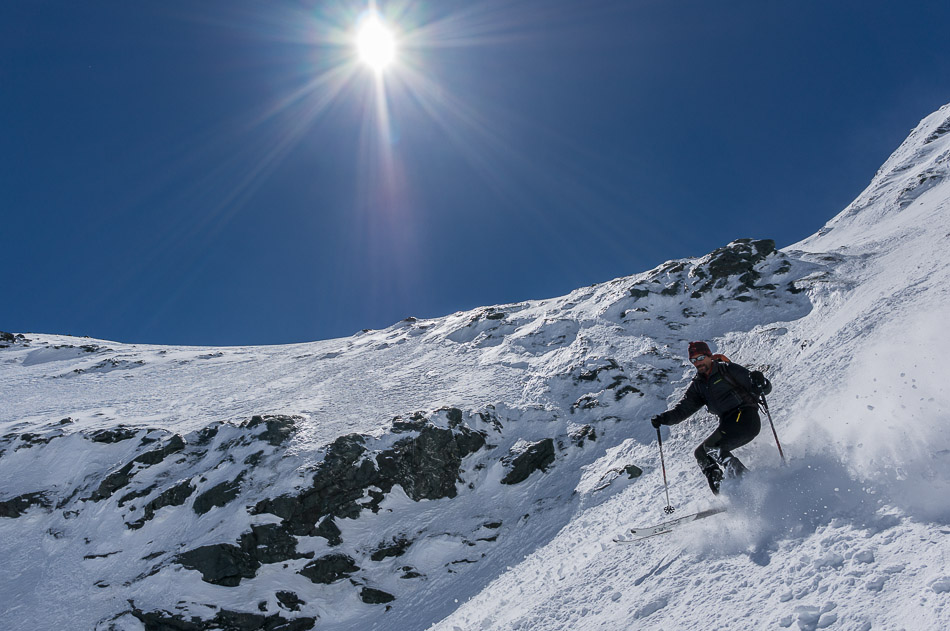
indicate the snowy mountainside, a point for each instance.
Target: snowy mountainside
{"x":469,"y":472}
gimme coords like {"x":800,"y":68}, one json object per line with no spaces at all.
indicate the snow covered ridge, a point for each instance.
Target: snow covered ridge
{"x":470,"y":472}
{"x":310,"y":529}
{"x":920,"y":164}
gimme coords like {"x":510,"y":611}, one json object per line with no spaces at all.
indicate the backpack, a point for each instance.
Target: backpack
{"x":762,"y":386}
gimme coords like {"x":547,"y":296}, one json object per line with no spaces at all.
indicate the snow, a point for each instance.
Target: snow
{"x":851,"y":534}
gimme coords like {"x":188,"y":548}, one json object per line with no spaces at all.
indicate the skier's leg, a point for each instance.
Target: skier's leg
{"x":733,"y":466}
{"x":707,"y":455}
{"x":737,"y":429}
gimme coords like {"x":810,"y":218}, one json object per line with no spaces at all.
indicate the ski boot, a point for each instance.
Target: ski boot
{"x":734,"y":468}
{"x":714,"y":476}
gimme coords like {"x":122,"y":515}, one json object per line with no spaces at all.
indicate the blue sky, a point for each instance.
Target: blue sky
{"x":220,"y":172}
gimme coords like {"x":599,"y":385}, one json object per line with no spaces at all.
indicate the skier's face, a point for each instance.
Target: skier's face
{"x":703,"y":364}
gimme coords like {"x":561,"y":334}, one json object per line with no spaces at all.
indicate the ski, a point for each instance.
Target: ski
{"x":667,"y":526}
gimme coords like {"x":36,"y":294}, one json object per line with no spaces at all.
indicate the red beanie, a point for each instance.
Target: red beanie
{"x":699,"y":348}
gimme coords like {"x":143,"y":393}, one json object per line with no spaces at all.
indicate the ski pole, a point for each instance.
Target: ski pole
{"x":765,"y":406}
{"x":669,"y":507}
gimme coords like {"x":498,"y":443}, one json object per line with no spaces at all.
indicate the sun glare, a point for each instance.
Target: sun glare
{"x":376,"y":44}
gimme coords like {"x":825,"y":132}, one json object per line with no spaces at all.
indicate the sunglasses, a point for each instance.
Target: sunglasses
{"x":697,"y":359}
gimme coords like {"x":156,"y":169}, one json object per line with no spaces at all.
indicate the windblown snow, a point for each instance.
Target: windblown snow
{"x":472,"y":471}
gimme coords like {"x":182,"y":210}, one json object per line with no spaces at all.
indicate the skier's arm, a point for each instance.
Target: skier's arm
{"x":689,"y":405}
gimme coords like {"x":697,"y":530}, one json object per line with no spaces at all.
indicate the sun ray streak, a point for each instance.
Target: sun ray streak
{"x":226,"y":187}
{"x":503,"y":167}
{"x":327,"y":86}
{"x":258,"y":143}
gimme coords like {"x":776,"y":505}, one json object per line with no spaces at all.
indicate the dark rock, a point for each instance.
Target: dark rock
{"x":397,"y":548}
{"x":18,"y":505}
{"x":491,"y":419}
{"x":587,"y":432}
{"x":290,"y":601}
{"x":401,"y":425}
{"x":29,"y":440}
{"x":226,"y":564}
{"x":220,"y":564}
{"x":156,"y":456}
{"x":164,"y":621}
{"x":427,"y":466}
{"x":673,"y":289}
{"x":8,"y":338}
{"x":113,"y":482}
{"x":112,"y":435}
{"x":338,"y":484}
{"x":118,"y":479}
{"x":372,"y":596}
{"x":632,"y":471}
{"x":468,"y":442}
{"x":219,"y":495}
{"x":944,"y":128}
{"x":279,"y":427}
{"x":454,"y":415}
{"x":223,"y":621}
{"x":175,"y":496}
{"x":639,"y":293}
{"x":271,"y":543}
{"x":618,"y":380}
{"x":330,"y":568}
{"x":328,"y":529}
{"x":594,"y":373}
{"x":206,"y":435}
{"x":128,"y":497}
{"x":537,"y":456}
{"x":739,"y":259}
{"x":238,"y":621}
{"x":409,"y":572}
{"x":624,"y":391}
{"x":586,"y":402}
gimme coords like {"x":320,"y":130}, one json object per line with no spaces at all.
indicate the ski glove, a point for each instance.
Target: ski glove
{"x":657,"y":420}
{"x":760,"y":385}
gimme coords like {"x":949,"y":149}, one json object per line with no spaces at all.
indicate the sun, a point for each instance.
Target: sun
{"x":375,"y":43}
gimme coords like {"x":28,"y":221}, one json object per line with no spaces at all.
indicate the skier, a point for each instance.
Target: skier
{"x":729,"y":391}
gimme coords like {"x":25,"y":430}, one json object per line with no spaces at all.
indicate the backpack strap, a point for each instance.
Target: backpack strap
{"x":744,"y":394}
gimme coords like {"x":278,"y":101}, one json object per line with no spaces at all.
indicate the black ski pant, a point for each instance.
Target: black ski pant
{"x":736,"y":428}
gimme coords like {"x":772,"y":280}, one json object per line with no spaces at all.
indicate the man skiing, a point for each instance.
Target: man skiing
{"x":729,"y":391}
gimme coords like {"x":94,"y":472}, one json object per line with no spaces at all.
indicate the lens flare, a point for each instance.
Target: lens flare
{"x":376,"y":44}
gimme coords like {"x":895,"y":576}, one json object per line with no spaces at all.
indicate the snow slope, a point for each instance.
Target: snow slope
{"x":500,"y":451}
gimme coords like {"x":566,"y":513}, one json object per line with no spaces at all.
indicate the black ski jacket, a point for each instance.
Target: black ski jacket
{"x":715,"y":392}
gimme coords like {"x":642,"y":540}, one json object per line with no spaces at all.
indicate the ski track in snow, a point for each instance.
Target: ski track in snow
{"x":852,"y":534}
